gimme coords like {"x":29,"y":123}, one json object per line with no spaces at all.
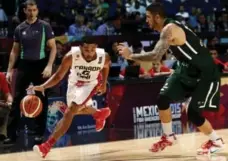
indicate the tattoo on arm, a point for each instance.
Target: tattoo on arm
{"x":160,"y":48}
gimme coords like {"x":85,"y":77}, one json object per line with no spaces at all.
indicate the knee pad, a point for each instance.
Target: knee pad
{"x":195,"y":117}
{"x":163,"y":102}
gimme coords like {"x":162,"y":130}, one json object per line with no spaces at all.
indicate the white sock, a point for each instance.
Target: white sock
{"x":167,"y":128}
{"x":213,"y":136}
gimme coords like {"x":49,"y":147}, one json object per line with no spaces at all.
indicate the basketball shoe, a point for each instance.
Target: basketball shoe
{"x":100,"y":116}
{"x":164,"y":142}
{"x":42,"y":149}
{"x":211,"y":147}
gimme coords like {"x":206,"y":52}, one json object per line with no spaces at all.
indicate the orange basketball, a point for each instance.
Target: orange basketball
{"x":31,"y":106}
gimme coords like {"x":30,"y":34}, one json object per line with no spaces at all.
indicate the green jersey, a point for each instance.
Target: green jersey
{"x":195,"y":59}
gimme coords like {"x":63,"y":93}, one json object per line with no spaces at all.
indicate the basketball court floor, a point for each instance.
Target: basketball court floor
{"x":128,"y":150}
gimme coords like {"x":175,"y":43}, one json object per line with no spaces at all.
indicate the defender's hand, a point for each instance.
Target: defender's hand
{"x":124,"y":51}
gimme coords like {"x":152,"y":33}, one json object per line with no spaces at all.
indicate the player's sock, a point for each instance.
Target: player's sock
{"x":167,"y":128}
{"x":213,"y":136}
{"x":51,"y":141}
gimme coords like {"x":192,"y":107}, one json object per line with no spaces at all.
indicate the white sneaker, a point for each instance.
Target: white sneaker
{"x":211,"y":147}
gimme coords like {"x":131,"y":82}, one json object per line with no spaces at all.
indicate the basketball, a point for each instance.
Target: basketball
{"x":31,"y":106}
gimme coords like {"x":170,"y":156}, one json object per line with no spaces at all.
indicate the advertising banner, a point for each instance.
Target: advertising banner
{"x":57,"y":107}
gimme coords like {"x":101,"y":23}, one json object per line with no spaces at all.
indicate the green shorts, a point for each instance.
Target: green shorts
{"x":205,"y":94}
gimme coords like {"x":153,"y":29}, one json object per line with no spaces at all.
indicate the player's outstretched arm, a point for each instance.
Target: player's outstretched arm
{"x":160,"y":48}
{"x":60,"y":73}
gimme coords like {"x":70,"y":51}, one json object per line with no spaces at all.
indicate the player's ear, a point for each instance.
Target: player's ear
{"x":24,"y":9}
{"x":157,"y":18}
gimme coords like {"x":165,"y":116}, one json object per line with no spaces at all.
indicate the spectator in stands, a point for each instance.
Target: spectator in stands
{"x":137,"y":7}
{"x":193,"y":18}
{"x":149,"y":2}
{"x":158,"y":69}
{"x":182,"y":13}
{"x":128,"y":6}
{"x":3,"y":17}
{"x":133,"y":63}
{"x":34,"y":66}
{"x":111,"y":49}
{"x":138,"y":16}
{"x":211,"y":26}
{"x":90,"y":9}
{"x":202,"y":24}
{"x":223,"y":25}
{"x":13,"y":25}
{"x":6,"y":100}
{"x":67,"y":14}
{"x":120,"y":7}
{"x":213,"y":43}
{"x":80,"y":7}
{"x":214,"y":54}
{"x":79,"y":29}
{"x":110,"y":27}
{"x":102,"y":11}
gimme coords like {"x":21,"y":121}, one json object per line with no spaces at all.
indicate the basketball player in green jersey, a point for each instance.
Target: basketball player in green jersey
{"x":197,"y":76}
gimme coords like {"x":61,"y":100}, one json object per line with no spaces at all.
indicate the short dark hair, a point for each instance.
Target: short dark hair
{"x":88,"y":40}
{"x":156,"y":8}
{"x":30,"y":3}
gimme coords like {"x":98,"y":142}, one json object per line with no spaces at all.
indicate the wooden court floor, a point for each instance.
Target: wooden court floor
{"x":130,"y":150}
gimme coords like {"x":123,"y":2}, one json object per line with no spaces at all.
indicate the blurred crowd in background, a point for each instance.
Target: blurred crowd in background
{"x":80,"y":18}
{"x":110,"y":17}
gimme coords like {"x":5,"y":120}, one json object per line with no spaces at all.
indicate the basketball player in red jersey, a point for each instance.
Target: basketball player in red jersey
{"x":89,"y":65}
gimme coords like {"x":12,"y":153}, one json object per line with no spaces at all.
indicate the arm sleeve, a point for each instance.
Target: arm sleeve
{"x":17,"y":34}
{"x":49,"y":32}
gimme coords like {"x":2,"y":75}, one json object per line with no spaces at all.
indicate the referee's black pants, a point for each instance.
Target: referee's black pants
{"x":27,"y":72}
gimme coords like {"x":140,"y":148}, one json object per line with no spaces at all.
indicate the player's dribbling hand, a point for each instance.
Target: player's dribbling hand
{"x":47,"y":71}
{"x":124,"y":51}
{"x":101,"y":89}
{"x":36,"y":88}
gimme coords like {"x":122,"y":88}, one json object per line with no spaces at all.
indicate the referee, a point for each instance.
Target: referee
{"x":31,"y":38}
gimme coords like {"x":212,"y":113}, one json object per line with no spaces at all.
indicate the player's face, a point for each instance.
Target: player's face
{"x":150,"y":19}
{"x":154,"y":21}
{"x":31,"y":12}
{"x":89,"y":51}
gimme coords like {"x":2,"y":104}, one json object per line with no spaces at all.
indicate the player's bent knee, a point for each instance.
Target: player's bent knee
{"x":163,"y":102}
{"x":75,"y":108}
{"x":68,"y":114}
{"x":195,"y":117}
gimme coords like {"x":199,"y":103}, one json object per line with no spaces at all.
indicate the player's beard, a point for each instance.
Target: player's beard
{"x":90,"y":58}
